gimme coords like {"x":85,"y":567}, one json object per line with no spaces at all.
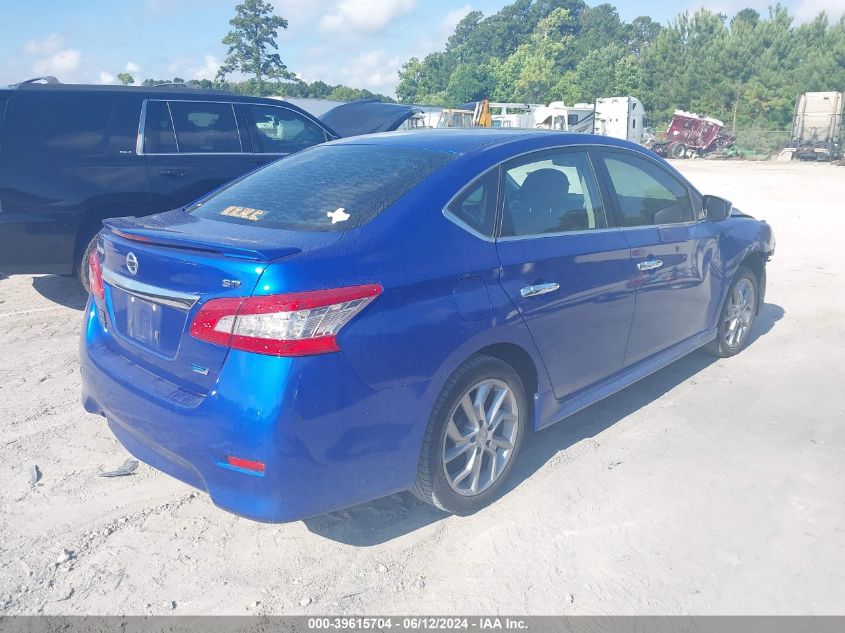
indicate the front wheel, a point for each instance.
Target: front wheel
{"x":737,"y":317}
{"x":473,"y":437}
{"x":677,"y":150}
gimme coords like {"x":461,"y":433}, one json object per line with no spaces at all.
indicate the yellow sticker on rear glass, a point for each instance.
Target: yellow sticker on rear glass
{"x":243,"y":212}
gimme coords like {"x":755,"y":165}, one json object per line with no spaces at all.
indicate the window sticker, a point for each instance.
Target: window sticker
{"x":338,"y":215}
{"x":243,"y":212}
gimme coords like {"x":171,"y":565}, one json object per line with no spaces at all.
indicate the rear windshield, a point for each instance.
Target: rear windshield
{"x":328,"y":188}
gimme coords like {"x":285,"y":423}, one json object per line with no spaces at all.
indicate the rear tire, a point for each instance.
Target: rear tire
{"x":82,"y":264}
{"x":677,"y":151}
{"x":473,"y":438}
{"x":736,"y":320}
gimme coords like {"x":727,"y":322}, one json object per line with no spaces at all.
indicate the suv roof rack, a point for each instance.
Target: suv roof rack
{"x":47,"y":79}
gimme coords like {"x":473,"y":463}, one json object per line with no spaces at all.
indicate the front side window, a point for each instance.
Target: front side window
{"x":646,"y":194}
{"x":277,"y":130}
{"x":553,"y":192}
{"x":476,"y":205}
{"x":325,"y":188}
{"x":205,"y":128}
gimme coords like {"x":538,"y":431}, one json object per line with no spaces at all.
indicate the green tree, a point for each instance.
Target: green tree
{"x":125,"y":78}
{"x":251,"y":43}
{"x":469,"y":82}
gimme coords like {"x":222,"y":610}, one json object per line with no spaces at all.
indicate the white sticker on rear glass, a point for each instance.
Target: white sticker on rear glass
{"x":338,"y":215}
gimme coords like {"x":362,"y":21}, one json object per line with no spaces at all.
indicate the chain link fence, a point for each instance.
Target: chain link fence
{"x":761,"y":142}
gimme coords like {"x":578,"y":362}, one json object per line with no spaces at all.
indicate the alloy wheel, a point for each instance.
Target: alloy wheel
{"x":740,"y":313}
{"x":480,"y":437}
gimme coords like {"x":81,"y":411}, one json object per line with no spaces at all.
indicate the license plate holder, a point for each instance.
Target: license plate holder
{"x":143,"y":321}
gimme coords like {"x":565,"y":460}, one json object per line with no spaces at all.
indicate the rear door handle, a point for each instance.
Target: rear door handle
{"x":538,"y":289}
{"x":650,"y":264}
{"x":173,"y":172}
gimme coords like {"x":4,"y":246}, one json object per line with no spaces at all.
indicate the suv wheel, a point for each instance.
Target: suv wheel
{"x":82,"y":264}
{"x":473,"y":437}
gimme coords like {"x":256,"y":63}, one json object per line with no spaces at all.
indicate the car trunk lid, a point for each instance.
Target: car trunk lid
{"x":159,"y":270}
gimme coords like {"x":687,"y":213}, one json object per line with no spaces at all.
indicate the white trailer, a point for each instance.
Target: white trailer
{"x":817,"y":126}
{"x":561,"y":117}
{"x":619,"y":117}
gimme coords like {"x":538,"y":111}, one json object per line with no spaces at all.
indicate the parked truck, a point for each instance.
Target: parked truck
{"x":563,"y":118}
{"x":817,"y":126}
{"x":691,"y":135}
{"x":619,"y":117}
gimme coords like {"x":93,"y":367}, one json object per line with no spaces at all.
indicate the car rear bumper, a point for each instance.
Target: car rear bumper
{"x":327,"y":440}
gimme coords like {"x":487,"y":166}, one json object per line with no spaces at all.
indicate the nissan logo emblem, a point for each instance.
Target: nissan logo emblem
{"x":132,"y":263}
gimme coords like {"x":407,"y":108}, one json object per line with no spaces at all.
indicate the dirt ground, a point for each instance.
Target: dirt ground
{"x":710,"y":487}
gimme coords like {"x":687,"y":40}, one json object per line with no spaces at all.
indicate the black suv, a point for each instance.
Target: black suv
{"x":73,"y":155}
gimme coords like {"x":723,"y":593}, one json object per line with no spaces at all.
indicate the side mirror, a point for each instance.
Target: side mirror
{"x":716,"y":208}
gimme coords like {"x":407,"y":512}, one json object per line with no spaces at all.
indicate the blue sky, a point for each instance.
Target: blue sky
{"x":358,"y":42}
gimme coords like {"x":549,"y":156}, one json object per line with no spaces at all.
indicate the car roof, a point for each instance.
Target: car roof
{"x":163,"y":90}
{"x":465,"y":141}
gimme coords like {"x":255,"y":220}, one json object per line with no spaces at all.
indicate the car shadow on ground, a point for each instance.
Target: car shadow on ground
{"x":65,"y":291}
{"x":382,"y":520}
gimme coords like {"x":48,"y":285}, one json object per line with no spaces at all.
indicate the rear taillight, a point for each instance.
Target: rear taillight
{"x":295,"y":324}
{"x":95,"y":275}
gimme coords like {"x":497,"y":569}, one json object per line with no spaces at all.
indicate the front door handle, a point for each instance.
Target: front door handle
{"x":173,"y":172}
{"x":650,"y":264}
{"x":538,"y":289}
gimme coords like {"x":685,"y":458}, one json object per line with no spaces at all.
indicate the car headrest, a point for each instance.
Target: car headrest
{"x":545,"y":189}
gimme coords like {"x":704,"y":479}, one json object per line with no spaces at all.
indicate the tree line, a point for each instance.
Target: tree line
{"x":747,"y":69}
{"x":252,"y":51}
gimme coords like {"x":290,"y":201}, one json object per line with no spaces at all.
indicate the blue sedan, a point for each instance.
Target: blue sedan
{"x":399,"y":311}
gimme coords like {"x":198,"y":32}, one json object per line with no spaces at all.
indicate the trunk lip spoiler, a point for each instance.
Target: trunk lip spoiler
{"x":171,"y":298}
{"x":158,"y":238}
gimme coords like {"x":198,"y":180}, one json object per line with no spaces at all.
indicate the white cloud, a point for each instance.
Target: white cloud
{"x":365,"y":16}
{"x":375,"y":70}
{"x":47,"y":46}
{"x":62,"y":62}
{"x":53,"y":57}
{"x":807,"y":10}
{"x":132,"y":67}
{"x":192,"y":68}
{"x":801,"y":10}
{"x":106,"y":78}
{"x":451,"y":19}
{"x":206,"y":70}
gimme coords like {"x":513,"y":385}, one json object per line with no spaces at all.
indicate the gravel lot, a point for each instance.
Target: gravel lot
{"x":710,"y":487}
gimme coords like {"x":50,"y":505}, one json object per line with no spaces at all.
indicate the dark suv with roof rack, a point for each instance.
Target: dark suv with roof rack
{"x":72,"y":155}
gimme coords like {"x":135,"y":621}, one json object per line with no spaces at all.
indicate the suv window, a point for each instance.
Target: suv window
{"x":159,"y":137}
{"x":552,"y":192}
{"x":277,"y":130}
{"x":476,"y":205}
{"x":325,"y":188}
{"x":647,"y":194}
{"x":58,"y":126}
{"x":201,"y":127}
{"x":205,"y":127}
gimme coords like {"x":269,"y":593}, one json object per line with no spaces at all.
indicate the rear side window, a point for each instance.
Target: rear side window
{"x":191,"y":127}
{"x":277,"y":130}
{"x":326,"y":188}
{"x":58,"y":126}
{"x":207,"y":128}
{"x":476,"y":205}
{"x":647,"y":195}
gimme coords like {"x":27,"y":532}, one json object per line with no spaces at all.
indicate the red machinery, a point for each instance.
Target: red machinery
{"x":690,"y":135}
